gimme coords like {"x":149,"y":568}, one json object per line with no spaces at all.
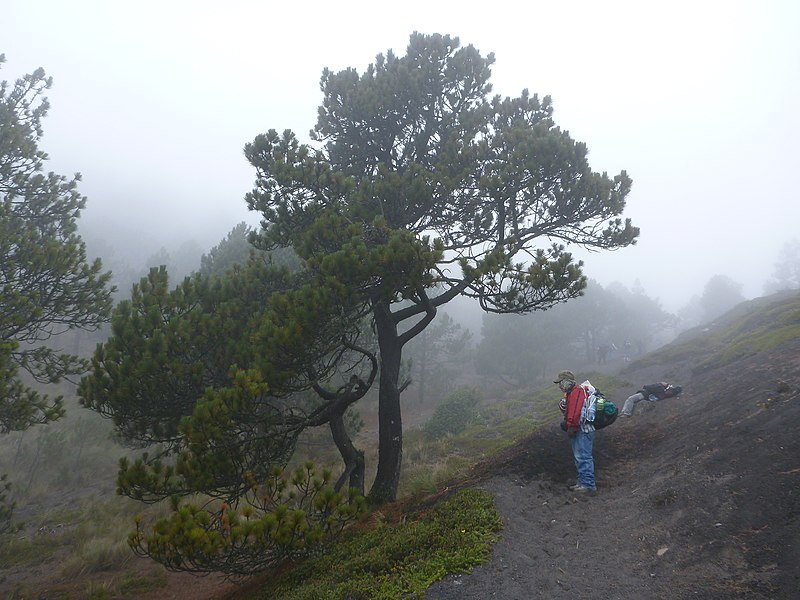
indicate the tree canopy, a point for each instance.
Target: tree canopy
{"x":786,"y":270}
{"x":720,"y":294}
{"x":214,"y":371}
{"x":525,"y":351}
{"x":217,"y":378}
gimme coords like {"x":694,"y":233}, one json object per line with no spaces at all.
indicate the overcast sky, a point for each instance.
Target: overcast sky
{"x":699,"y":101}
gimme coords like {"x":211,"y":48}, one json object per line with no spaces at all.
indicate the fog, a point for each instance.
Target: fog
{"x":153,"y":102}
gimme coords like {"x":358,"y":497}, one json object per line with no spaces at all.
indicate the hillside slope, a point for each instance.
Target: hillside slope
{"x":698,"y":497}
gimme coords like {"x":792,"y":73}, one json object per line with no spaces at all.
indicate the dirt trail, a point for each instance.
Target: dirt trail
{"x":698,"y":497}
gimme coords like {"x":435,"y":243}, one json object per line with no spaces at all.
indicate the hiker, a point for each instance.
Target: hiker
{"x":602,"y":353}
{"x":580,"y":431}
{"x":652,"y":392}
{"x":627,"y":354}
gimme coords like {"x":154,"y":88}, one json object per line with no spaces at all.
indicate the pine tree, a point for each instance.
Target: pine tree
{"x":418,"y":187}
{"x":47,"y":286}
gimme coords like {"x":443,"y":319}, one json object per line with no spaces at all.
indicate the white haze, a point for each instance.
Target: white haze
{"x":698,"y":101}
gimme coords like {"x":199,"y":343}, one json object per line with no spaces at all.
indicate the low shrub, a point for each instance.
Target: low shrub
{"x":454,"y":414}
{"x":397,"y":561}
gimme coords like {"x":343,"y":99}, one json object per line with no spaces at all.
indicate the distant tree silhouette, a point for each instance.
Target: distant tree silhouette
{"x":522,"y":351}
{"x":437,"y":354}
{"x":720,"y":294}
{"x":786,"y":275}
{"x":236,"y":249}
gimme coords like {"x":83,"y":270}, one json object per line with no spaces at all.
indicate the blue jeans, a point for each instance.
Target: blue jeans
{"x":584,"y":463}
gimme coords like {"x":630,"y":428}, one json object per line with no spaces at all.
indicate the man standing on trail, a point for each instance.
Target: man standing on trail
{"x":581,"y":432}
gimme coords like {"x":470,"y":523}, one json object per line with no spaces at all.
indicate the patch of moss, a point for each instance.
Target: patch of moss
{"x":399,"y":561}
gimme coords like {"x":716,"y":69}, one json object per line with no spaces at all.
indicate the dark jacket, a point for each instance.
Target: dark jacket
{"x":660,"y":390}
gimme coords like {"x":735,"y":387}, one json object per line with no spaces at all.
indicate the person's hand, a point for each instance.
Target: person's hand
{"x":572,"y":431}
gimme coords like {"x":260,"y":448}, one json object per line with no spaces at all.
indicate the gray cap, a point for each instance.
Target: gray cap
{"x":565,"y":375}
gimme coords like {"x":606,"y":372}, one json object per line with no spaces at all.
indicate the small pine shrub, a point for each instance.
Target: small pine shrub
{"x":291,"y":515}
{"x":454,"y":415}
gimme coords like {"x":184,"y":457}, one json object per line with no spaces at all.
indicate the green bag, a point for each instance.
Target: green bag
{"x":605,"y":411}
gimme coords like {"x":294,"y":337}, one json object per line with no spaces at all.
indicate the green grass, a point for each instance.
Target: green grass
{"x":396,"y":561}
{"x":133,"y":585}
{"x":94,"y":530}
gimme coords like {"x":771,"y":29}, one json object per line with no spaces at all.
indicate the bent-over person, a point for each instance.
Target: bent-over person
{"x":652,"y":392}
{"x":579,"y":430}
